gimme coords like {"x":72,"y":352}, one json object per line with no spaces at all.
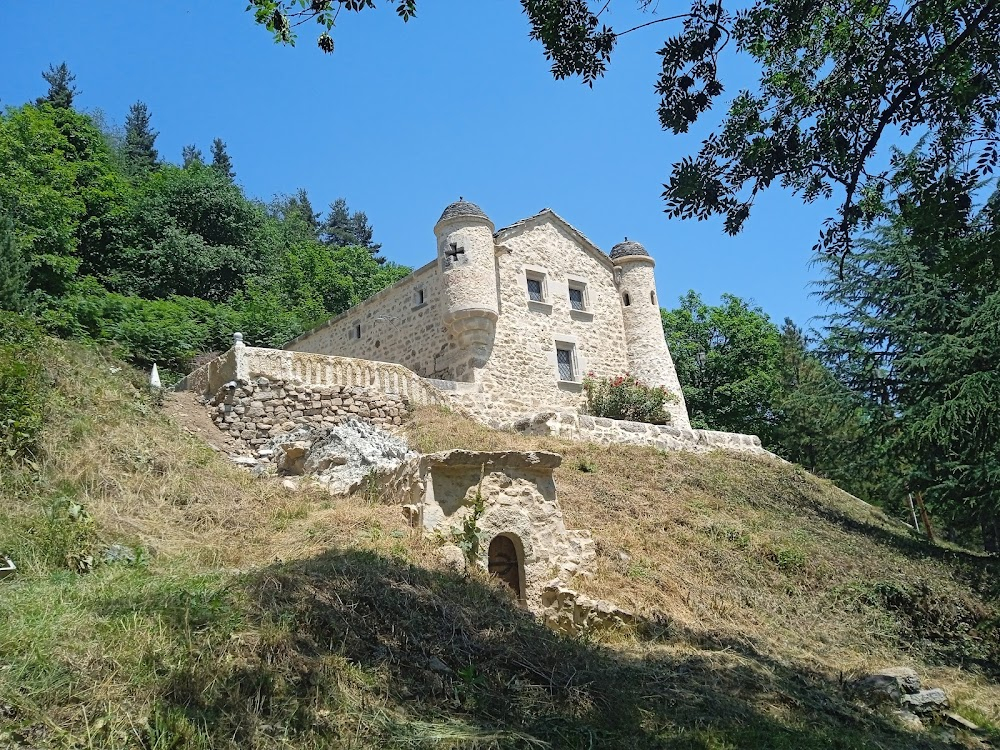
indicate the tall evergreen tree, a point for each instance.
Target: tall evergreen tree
{"x":140,"y":140}
{"x":191,"y":155}
{"x":916,"y":330}
{"x":221,"y":162}
{"x":297,"y":212}
{"x":61,"y":88}
{"x":345,"y":229}
{"x":14,"y":278}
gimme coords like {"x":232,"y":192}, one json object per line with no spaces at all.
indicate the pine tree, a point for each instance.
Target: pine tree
{"x":221,"y":162}
{"x":344,"y":229}
{"x":61,"y":88}
{"x":140,"y":139}
{"x":916,"y":331}
{"x":14,"y":279}
{"x":191,"y":155}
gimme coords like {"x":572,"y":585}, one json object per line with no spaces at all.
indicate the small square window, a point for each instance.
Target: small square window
{"x":564,"y":360}
{"x":535,"y":290}
{"x":576,"y":298}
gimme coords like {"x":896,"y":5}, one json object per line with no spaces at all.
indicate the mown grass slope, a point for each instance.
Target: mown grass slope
{"x":257,"y":617}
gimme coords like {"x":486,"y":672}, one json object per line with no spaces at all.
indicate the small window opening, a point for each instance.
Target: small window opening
{"x":420,"y":296}
{"x":504,"y":562}
{"x":628,"y":300}
{"x":564,"y":359}
{"x":652,"y":298}
{"x":357,"y":330}
{"x":535,"y":290}
{"x":576,"y":298}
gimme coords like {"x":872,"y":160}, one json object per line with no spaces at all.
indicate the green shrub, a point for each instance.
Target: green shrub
{"x":22,"y":386}
{"x":626,"y":397}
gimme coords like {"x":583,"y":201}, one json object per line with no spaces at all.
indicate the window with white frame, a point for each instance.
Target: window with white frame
{"x":566,"y":361}
{"x":578,"y":295}
{"x":536,"y":286}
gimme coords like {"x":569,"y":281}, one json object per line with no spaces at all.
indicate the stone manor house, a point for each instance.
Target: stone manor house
{"x":520,"y":315}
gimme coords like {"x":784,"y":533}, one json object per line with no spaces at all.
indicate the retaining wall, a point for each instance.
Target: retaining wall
{"x":618,"y":432}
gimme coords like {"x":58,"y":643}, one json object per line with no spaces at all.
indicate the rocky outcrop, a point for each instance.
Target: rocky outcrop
{"x":340,"y":457}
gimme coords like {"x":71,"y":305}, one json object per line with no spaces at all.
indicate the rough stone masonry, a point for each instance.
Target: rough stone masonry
{"x":259,"y":410}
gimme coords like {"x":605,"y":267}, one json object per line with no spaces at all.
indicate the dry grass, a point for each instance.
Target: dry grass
{"x":259,"y":617}
{"x":743,"y":550}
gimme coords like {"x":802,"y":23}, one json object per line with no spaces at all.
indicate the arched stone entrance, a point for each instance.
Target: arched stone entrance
{"x":505,"y":562}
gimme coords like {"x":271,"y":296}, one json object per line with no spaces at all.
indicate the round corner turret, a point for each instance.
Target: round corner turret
{"x":648,"y":355}
{"x":467,"y":260}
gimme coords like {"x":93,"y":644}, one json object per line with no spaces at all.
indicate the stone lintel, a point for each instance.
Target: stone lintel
{"x":493,"y":460}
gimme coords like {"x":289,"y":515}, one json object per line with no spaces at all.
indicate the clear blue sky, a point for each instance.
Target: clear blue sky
{"x":404,"y":118}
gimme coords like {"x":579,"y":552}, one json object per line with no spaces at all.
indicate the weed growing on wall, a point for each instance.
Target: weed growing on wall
{"x":627,"y":397}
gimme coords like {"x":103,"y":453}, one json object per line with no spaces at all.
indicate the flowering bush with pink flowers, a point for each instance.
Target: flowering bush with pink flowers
{"x":626,"y":397}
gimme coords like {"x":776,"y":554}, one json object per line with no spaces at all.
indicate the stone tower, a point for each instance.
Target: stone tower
{"x":648,"y":356}
{"x":468,"y":266}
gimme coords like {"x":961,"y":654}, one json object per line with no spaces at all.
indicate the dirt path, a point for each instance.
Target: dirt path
{"x":186,"y":409}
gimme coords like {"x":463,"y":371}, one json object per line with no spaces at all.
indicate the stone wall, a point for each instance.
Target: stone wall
{"x":519,"y":502}
{"x":259,"y":410}
{"x":522,"y":369}
{"x":395,"y":327}
{"x":621,"y":432}
{"x":243,"y":364}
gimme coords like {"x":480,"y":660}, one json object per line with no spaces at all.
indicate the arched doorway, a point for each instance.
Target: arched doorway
{"x":505,"y":562}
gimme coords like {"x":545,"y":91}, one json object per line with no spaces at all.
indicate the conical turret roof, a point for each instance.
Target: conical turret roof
{"x":462,"y":207}
{"x":628,"y":247}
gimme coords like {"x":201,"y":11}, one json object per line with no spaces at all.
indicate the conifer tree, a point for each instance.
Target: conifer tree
{"x":191,"y":155}
{"x":140,"y":140}
{"x":221,"y":162}
{"x":345,"y":229}
{"x":61,"y":88}
{"x":916,"y":331}
{"x":14,"y":279}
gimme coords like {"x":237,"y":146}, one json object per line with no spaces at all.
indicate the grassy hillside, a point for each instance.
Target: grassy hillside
{"x":257,"y":617}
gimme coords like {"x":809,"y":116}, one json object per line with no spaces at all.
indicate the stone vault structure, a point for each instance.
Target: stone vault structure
{"x":508,"y":499}
{"x":518,"y":316}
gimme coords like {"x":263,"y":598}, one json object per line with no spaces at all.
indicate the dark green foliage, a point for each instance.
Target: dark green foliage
{"x":14,"y":279}
{"x":140,"y":140}
{"x":297,"y":210}
{"x":61,"y":88}
{"x":166,"y":262}
{"x":190,"y":232}
{"x":191,"y":155}
{"x":62,"y":189}
{"x":916,"y":331}
{"x":343,"y":228}
{"x":741,"y":374}
{"x":728,"y":362}
{"x":221,"y":162}
{"x":822,"y":425}
{"x":23,"y":386}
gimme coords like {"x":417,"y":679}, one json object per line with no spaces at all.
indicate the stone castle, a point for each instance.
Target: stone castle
{"x":502,"y":326}
{"x":521,"y":315}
